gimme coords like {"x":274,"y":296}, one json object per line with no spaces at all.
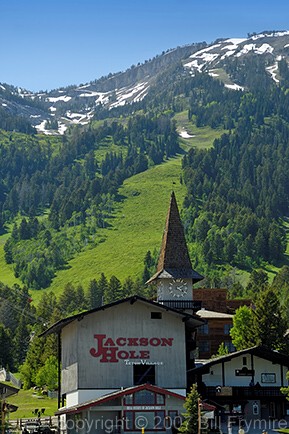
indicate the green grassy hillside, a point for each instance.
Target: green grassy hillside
{"x":27,"y":401}
{"x":136,"y":226}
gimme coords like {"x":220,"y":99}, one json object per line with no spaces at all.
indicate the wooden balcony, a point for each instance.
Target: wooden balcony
{"x":194,"y":305}
{"x":242,"y":392}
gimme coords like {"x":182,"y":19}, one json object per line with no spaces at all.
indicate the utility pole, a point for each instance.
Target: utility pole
{"x":2,"y":402}
{"x":199,"y":416}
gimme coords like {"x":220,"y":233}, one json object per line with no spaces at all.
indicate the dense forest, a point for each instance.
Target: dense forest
{"x":66,"y":178}
{"x":57,"y":191}
{"x":238,"y":190}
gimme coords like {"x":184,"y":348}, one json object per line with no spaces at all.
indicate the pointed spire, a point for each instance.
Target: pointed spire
{"x":174,"y":260}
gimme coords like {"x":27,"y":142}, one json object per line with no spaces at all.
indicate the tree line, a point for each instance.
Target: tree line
{"x":64,"y":177}
{"x":21,"y":348}
{"x":238,"y":189}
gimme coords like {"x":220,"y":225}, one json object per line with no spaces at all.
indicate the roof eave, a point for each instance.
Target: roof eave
{"x":59,"y":325}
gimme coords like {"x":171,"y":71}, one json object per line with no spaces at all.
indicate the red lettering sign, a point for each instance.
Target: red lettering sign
{"x":107,"y":350}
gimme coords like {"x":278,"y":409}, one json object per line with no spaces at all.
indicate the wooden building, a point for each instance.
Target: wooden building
{"x":213,"y":333}
{"x":246,"y":383}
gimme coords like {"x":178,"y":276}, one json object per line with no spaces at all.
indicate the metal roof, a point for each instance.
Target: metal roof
{"x":59,"y":325}
{"x":259,"y":351}
{"x":117,"y":394}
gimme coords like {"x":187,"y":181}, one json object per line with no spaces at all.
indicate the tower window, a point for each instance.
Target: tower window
{"x":156,"y":315}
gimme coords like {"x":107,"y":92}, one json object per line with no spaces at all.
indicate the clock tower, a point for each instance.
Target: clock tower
{"x":175,"y":276}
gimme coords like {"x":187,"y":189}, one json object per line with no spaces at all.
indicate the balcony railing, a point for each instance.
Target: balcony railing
{"x":194,"y":305}
{"x":243,"y":392}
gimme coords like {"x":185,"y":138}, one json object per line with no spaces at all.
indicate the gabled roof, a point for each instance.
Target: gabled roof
{"x":258,"y":351}
{"x":118,"y":394}
{"x":7,"y":390}
{"x":59,"y":325}
{"x":174,"y":260}
{"x":210,"y":314}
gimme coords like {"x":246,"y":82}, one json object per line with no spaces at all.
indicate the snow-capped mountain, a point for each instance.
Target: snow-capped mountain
{"x":54,"y":111}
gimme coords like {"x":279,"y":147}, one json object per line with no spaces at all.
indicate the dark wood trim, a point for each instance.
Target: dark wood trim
{"x":59,"y":368}
{"x":252,"y":368}
{"x":223,"y":374}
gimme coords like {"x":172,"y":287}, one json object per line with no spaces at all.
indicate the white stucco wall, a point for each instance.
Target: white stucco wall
{"x":261,"y":366}
{"x":78,"y":396}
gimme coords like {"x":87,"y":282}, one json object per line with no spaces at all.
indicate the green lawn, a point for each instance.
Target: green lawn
{"x":27,"y":401}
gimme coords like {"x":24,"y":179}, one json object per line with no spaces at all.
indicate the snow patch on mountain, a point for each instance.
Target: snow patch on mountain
{"x":234,"y":86}
{"x":202,"y":57}
{"x":270,"y":35}
{"x":265,"y":48}
{"x":273,"y":71}
{"x":135,"y":93}
{"x":59,"y":98}
{"x":185,"y":135}
{"x":213,"y":74}
{"x":79,"y":118}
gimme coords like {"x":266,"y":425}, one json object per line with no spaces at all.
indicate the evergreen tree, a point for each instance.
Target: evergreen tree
{"x":94,"y":295}
{"x":222,"y":351}
{"x":114,"y":290}
{"x":103,"y":286}
{"x":80,"y":298}
{"x":6,"y":348}
{"x":128,"y":287}
{"x":68,"y":300}
{"x":269,"y":327}
{"x":190,"y":424}
{"x":21,"y":339}
{"x":258,"y":281}
{"x":45,"y":308}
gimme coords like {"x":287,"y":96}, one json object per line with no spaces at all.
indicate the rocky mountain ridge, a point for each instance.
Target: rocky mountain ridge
{"x":52,"y":112}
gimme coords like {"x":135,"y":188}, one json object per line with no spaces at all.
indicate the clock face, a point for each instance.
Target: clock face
{"x":178,"y":288}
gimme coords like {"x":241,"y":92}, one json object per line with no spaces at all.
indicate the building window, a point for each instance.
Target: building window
{"x":152,"y":420}
{"x":160,"y":399}
{"x":230,"y":346}
{"x":268,"y":378}
{"x":244,"y":361}
{"x":156,"y":315}
{"x":144,"y":397}
{"x":204,"y":329}
{"x":174,"y":420}
{"x":144,"y":374}
{"x":204,"y":346}
{"x":227,"y":328}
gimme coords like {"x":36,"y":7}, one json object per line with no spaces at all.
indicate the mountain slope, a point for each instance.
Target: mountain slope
{"x":77,"y":105}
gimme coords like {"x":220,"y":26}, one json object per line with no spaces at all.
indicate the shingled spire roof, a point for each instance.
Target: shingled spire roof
{"x":174,"y":260}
